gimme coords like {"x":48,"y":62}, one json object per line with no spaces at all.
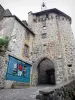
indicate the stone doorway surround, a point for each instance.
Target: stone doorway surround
{"x":34,"y":73}
{"x":46,"y":73}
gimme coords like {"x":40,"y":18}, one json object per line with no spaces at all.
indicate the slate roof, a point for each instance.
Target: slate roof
{"x":54,"y":10}
{"x":22,"y":24}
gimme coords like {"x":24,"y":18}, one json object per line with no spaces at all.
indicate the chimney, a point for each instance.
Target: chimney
{"x":25,"y":22}
{"x":7,"y":12}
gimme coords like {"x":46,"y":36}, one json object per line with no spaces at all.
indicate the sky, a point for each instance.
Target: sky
{"x":20,"y":8}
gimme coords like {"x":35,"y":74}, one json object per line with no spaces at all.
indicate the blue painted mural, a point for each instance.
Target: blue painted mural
{"x":18,"y":70}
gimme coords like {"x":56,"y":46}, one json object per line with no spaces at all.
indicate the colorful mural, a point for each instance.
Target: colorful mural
{"x":18,"y":70}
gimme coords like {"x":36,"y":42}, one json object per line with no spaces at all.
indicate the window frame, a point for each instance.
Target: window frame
{"x":43,"y":35}
{"x":26,"y":50}
{"x":27,"y":35}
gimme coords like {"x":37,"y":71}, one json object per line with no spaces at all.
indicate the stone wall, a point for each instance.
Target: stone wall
{"x":6,"y":26}
{"x":18,"y":41}
{"x":50,"y":46}
{"x":58,"y":44}
{"x":68,"y":47}
{"x":11,"y":27}
{"x":3,"y":64}
{"x":63,"y":92}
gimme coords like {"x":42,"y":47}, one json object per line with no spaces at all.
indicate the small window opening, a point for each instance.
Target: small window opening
{"x":70,"y":65}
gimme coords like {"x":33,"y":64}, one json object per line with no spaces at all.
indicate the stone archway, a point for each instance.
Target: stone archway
{"x":46,"y":72}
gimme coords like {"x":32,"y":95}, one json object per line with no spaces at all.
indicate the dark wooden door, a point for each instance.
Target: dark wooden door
{"x":50,"y":75}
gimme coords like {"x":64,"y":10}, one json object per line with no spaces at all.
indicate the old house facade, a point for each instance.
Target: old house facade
{"x":19,"y":47}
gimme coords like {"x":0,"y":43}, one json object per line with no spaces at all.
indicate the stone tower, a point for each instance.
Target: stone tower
{"x":53,"y":49}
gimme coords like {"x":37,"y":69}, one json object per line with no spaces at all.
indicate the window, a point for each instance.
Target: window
{"x":62,"y":18}
{"x":56,"y":17}
{"x":38,"y":19}
{"x":24,"y":71}
{"x":51,"y":17}
{"x":15,"y":69}
{"x":44,"y":27}
{"x":70,"y":65}
{"x":34,"y":20}
{"x":43,"y":35}
{"x":47,"y":16}
{"x":27,"y":35}
{"x":44,"y":18}
{"x":26,"y":50}
{"x":44,"y":45}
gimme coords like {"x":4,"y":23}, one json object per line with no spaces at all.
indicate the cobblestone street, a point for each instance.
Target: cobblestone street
{"x":17,"y":94}
{"x":20,"y":94}
{"x":27,"y":93}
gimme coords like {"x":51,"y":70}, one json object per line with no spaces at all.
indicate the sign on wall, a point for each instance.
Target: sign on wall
{"x":18,"y":70}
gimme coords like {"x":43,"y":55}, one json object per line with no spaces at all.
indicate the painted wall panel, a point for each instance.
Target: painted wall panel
{"x":18,"y":70}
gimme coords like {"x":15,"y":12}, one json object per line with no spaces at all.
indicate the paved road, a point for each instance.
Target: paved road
{"x":26,"y":93}
{"x":21,"y":94}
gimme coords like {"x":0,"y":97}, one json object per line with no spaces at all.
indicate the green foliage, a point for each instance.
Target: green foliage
{"x":4,"y":42}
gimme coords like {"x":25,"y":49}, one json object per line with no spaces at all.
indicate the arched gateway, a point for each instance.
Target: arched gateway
{"x":46,"y":72}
